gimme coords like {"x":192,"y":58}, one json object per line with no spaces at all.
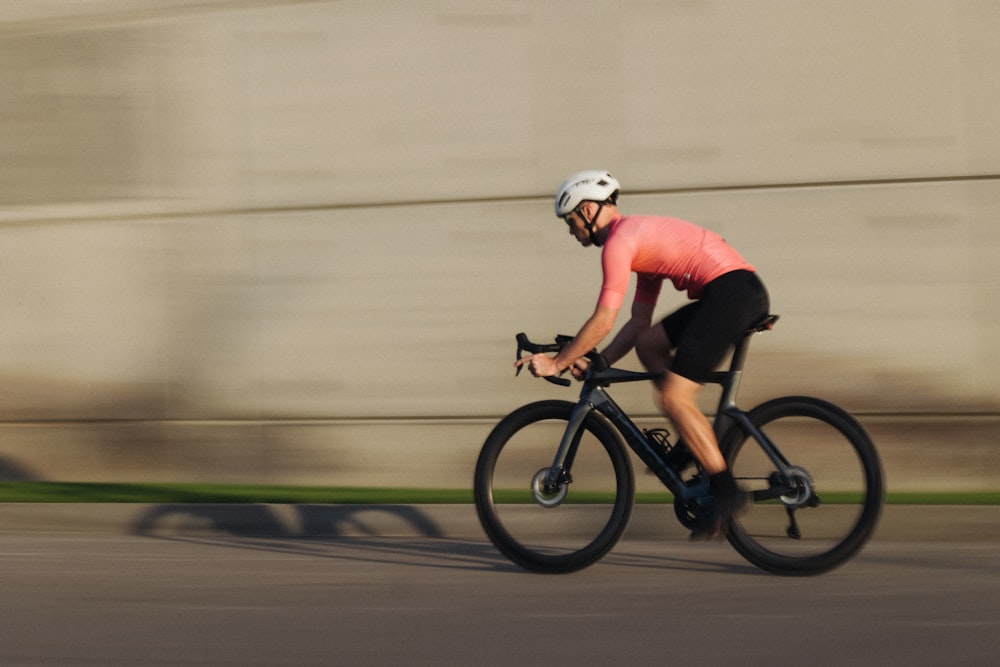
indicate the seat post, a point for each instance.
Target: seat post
{"x":740,"y":353}
{"x":730,"y":380}
{"x":743,"y":346}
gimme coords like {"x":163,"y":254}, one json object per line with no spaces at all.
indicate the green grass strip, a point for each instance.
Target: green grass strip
{"x":945,"y":498}
{"x":89,"y":492}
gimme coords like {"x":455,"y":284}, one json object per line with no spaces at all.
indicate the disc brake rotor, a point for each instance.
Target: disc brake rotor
{"x":802,"y":484}
{"x":547,"y":498}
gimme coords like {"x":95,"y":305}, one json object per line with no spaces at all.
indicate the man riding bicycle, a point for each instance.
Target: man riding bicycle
{"x":728,"y":298}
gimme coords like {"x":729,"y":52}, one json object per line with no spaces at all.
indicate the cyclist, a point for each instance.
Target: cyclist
{"x":728,"y":298}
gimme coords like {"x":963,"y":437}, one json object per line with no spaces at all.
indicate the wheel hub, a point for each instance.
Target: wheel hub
{"x":548,"y":495}
{"x":802,"y":488}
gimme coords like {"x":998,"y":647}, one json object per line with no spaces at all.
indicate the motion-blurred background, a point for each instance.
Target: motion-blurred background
{"x":291,"y":241}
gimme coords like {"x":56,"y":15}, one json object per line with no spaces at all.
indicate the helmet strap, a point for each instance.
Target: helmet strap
{"x":589,"y":224}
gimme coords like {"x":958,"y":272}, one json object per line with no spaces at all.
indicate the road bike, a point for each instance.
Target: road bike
{"x":554,"y":486}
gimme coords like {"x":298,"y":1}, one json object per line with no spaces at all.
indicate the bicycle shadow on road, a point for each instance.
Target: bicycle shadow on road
{"x":314,"y":521}
{"x":388,"y":534}
{"x":395,"y":535}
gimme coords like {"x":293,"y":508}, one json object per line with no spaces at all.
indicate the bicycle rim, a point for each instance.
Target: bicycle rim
{"x":839,"y":495}
{"x":568,"y":528}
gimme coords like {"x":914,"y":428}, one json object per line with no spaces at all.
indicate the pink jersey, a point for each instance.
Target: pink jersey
{"x":657,"y":248}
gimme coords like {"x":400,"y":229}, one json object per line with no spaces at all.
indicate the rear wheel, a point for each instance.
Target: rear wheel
{"x":825,"y":507}
{"x":545,"y":520}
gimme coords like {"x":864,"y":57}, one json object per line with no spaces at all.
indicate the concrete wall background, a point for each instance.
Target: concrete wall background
{"x":292,"y":241}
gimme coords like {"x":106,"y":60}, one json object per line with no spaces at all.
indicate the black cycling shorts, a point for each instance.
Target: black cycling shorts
{"x":704,"y":331}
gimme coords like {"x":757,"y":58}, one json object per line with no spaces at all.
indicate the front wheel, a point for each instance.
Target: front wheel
{"x":545,"y":521}
{"x":824,"y":506}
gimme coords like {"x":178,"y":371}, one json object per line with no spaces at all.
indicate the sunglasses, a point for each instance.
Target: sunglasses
{"x":566,"y":218}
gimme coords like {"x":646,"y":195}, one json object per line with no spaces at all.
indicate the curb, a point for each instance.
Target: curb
{"x":898,"y":523}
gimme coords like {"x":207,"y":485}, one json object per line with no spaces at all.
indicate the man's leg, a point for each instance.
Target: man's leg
{"x":679,"y":402}
{"x":654,"y":350}
{"x":678,"y":397}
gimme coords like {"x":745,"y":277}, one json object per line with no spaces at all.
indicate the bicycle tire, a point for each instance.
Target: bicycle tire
{"x":583,"y":526}
{"x":828,"y":529}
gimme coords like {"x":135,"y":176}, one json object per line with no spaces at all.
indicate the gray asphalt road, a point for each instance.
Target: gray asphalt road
{"x":223,"y":599}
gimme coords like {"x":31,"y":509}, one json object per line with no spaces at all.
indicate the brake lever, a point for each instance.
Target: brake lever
{"x":521,"y":340}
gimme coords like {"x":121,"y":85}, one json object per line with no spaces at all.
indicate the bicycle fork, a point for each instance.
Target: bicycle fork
{"x":559,"y":475}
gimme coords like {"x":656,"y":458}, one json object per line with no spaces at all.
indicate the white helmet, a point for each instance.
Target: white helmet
{"x":592,"y":185}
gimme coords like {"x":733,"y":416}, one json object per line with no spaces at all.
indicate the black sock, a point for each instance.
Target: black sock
{"x":722,"y":483}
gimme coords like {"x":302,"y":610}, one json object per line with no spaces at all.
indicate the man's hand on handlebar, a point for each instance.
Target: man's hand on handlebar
{"x":540,"y":365}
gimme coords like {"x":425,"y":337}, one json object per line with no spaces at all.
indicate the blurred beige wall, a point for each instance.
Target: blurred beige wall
{"x":292,"y":242}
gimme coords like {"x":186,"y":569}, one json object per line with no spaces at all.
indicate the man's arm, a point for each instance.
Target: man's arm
{"x":642,"y":318}
{"x":591,"y":334}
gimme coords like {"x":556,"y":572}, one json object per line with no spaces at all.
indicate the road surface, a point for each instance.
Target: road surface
{"x":224,"y":599}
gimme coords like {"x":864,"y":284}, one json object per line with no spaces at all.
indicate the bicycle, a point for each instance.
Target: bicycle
{"x":554,"y":486}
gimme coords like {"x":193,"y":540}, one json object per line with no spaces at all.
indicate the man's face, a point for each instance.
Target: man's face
{"x":577,"y":228}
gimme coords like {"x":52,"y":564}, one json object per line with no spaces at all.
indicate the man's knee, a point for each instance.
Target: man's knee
{"x":678,"y":395}
{"x":672,"y":404}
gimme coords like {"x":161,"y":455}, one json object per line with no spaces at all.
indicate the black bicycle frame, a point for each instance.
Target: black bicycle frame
{"x":594,"y":397}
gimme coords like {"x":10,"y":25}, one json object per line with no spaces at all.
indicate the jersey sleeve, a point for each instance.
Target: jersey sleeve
{"x":616,"y":261}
